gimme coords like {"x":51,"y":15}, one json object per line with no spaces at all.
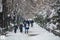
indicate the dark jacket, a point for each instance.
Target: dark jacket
{"x":21,"y":25}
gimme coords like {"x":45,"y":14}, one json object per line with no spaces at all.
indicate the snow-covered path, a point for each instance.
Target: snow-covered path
{"x":35,"y":33}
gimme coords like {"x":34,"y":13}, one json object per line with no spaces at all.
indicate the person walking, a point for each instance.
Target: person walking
{"x":26,"y":28}
{"x":15,"y":28}
{"x":21,"y":28}
{"x":24,"y":22}
{"x":31,"y":21}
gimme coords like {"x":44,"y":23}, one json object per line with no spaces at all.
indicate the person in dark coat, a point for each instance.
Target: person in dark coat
{"x":26,"y":28}
{"x":15,"y":28}
{"x":27,"y":21}
{"x":24,"y":23}
{"x":21,"y":28}
{"x":31,"y":21}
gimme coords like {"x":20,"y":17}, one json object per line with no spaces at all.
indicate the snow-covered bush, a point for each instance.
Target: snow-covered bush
{"x":51,"y":26}
{"x":40,"y":20}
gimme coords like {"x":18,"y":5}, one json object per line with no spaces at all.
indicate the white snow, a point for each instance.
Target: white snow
{"x":35,"y":33}
{"x":11,"y":24}
{"x":57,"y":31}
{"x":2,"y":37}
{"x":51,"y":26}
{"x":52,"y":13}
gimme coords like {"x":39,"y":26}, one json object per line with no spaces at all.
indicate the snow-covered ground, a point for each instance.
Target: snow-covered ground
{"x":35,"y":33}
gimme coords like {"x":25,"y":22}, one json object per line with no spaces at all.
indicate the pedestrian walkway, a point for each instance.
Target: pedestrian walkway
{"x":35,"y":33}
